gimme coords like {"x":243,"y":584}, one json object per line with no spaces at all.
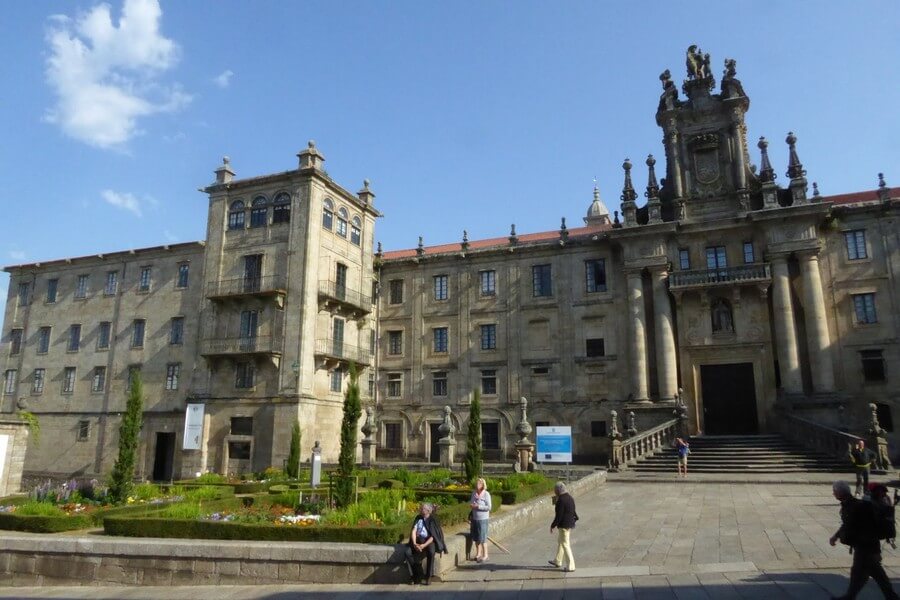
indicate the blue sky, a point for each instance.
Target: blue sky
{"x":463,"y":115}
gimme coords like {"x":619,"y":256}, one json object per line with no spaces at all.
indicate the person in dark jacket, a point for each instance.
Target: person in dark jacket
{"x":564,"y":521}
{"x":425,"y":540}
{"x":862,"y":458}
{"x":858,"y":530}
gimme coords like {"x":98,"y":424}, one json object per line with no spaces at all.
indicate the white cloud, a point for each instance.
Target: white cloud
{"x":125,"y":201}
{"x":223,"y":79}
{"x":17,"y":255}
{"x":106,"y":75}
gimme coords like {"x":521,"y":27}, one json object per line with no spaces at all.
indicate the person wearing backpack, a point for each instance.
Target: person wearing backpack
{"x":859,"y":529}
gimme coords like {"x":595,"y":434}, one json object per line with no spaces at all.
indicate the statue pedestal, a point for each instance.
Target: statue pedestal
{"x":448,"y":449}
{"x":368,"y":452}
{"x":617,"y":459}
{"x":524,"y":451}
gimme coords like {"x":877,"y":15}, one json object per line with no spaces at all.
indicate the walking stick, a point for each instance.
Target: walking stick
{"x":498,"y":544}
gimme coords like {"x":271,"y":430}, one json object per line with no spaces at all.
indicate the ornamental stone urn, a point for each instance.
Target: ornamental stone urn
{"x":524,"y":447}
{"x":368,"y":442}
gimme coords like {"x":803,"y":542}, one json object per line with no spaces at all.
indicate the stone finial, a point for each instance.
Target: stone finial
{"x":631,"y":427}
{"x":365,"y":195}
{"x":311,"y":158}
{"x":378,"y":252}
{"x":652,"y":185}
{"x":523,"y":428}
{"x":884,"y":192}
{"x":614,"y":426}
{"x":795,"y":167}
{"x":513,"y":238}
{"x":629,"y":208}
{"x":224,"y":174}
{"x":616,"y":222}
{"x":766,"y":172}
{"x":816,"y":193}
{"x":465,"y":241}
{"x":447,"y":429}
{"x":563,"y":230}
{"x":874,"y":425}
{"x":420,"y":249}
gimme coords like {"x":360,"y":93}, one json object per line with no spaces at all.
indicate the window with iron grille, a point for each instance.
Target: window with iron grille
{"x":541,"y":280}
{"x":52,"y":287}
{"x":395,"y":343}
{"x":490,"y":435}
{"x":24,"y":289}
{"x":137,"y":333}
{"x":176,"y":331}
{"x":856,"y":244}
{"x":173,"y":372}
{"x":393,"y":436}
{"x":441,"y":283}
{"x":84,"y":431}
{"x":489,"y":382}
{"x":864,"y":306}
{"x":98,"y":380}
{"x":112,"y":283}
{"x":489,"y":336}
{"x":439,"y":383}
{"x":873,"y":365}
{"x":103,"y":335}
{"x":244,"y":373}
{"x":337,"y":380}
{"x":43,"y":345}
{"x":184,"y":271}
{"x":394,"y":385}
{"x":594,"y":347}
{"x":749,"y":255}
{"x":37,"y":381}
{"x":488,"y":282}
{"x":68,"y":385}
{"x":144,"y":281}
{"x":440,"y":340}
{"x":595,"y":275}
{"x":15,"y":341}
{"x":81,"y":286}
{"x":74,"y":338}
{"x":396,"y":291}
{"x":241,"y":426}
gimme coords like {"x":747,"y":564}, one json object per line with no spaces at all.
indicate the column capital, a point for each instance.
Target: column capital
{"x":777,"y":257}
{"x":808,"y":254}
{"x":633,"y":271}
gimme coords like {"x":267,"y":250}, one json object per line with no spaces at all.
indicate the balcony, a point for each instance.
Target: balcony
{"x":335,"y":351}
{"x":266,"y":345}
{"x":705,"y":278}
{"x":263,"y":285}
{"x":345,"y":300}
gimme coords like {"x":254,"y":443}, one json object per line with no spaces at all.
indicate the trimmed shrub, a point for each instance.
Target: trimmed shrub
{"x":391,"y":484}
{"x":278,"y":489}
{"x":44,"y":524}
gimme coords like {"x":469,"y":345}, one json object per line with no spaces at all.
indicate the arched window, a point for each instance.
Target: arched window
{"x":722,"y":318}
{"x":259,"y":212}
{"x":236,"y":215}
{"x":342,"y":222}
{"x":281,"y":208}
{"x":355,"y":230}
{"x":327,"y":214}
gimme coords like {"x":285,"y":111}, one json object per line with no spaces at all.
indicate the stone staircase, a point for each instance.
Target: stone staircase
{"x":743,"y":454}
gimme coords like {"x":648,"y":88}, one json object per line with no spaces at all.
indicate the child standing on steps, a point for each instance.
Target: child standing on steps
{"x":683,"y":449}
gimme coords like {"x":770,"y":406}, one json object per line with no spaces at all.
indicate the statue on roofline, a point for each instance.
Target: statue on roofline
{"x":697,"y":63}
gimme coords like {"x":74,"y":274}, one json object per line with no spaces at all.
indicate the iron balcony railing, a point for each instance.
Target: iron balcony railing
{"x":343,"y":294}
{"x":342,"y":351}
{"x":753,"y":273}
{"x":258,"y":344}
{"x":246,"y":286}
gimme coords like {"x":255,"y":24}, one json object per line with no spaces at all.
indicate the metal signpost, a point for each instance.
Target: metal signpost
{"x":554,"y":445}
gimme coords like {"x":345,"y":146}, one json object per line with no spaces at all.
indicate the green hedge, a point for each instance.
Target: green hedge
{"x":217,"y":530}
{"x":526,"y":492}
{"x":498,"y":497}
{"x":42,"y":524}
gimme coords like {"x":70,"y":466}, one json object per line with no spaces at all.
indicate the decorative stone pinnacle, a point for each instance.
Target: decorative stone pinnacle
{"x":311,"y":144}
{"x":563,"y":230}
{"x":420,"y":249}
{"x":523,"y":428}
{"x":465,"y":240}
{"x":881,"y":183}
{"x":628,"y":193}
{"x":366,"y":183}
{"x":884,"y":192}
{"x":378,"y":253}
{"x":513,"y":238}
{"x":815,"y":190}
{"x":616,"y":219}
{"x":562,"y":225}
{"x":652,"y":185}
{"x":766,"y":172}
{"x":226,"y":161}
{"x":795,"y":168}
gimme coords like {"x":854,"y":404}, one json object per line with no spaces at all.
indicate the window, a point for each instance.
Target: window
{"x":134,"y":373}
{"x":236,"y":215}
{"x":598,"y":428}
{"x":885,"y":417}
{"x":81,"y":286}
{"x":23,"y":294}
{"x":594,"y":347}
{"x":327,"y":214}
{"x":342,"y":222}
{"x":856,"y":244}
{"x":488,"y":282}
{"x":98,"y":380}
{"x":440,"y":340}
{"x":595,"y":275}
{"x":337,"y":380}
{"x":184,"y":271}
{"x":540,"y":371}
{"x":144,"y":281}
{"x":9,"y":382}
{"x":489,"y":382}
{"x":340,"y":280}
{"x":394,"y":385}
{"x":243,"y":378}
{"x":490,"y":436}
{"x":239,"y":450}
{"x":541,"y":280}
{"x":241,"y":426}
{"x":489,"y":336}
{"x":176,"y":331}
{"x":281,"y":208}
{"x":259,"y":212}
{"x":249,"y":329}
{"x":103,"y":335}
{"x":715,"y":258}
{"x":396,"y":291}
{"x":52,"y":286}
{"x":74,"y":338}
{"x":393,"y":436}
{"x":371,"y":384}
{"x":112,"y":283}
{"x":749,"y":256}
{"x":43,"y":340}
{"x":440,"y":287}
{"x":372,"y":340}
{"x":873,"y":365}
{"x":84,"y":430}
{"x":137,"y":333}
{"x":356,"y":231}
{"x":252,"y":281}
{"x":173,"y":371}
{"x":395,"y":342}
{"x":864,"y":305}
{"x":68,"y":385}
{"x":37,"y":381}
{"x":684,"y":259}
{"x":439,"y":383}
{"x":15,"y":341}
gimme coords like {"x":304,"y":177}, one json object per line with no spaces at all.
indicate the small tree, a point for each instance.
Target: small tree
{"x":122,"y":478}
{"x":293,"y":461}
{"x":473,"y":462}
{"x":343,"y":491}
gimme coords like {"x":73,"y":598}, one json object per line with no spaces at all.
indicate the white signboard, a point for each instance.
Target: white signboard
{"x":3,"y":441}
{"x":193,"y":427}
{"x":554,"y":444}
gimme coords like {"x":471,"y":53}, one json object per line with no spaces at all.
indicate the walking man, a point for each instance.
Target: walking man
{"x":565,"y":521}
{"x":858,"y":530}
{"x":862,"y":458}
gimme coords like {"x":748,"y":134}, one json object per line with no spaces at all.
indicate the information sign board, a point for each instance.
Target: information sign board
{"x":554,"y":444}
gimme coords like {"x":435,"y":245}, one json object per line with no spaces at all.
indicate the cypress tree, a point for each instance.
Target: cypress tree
{"x":293,"y":462}
{"x":343,"y":492}
{"x":473,"y":462}
{"x":121,"y":480}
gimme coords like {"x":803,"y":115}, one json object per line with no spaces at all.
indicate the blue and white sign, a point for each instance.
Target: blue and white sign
{"x":554,"y":444}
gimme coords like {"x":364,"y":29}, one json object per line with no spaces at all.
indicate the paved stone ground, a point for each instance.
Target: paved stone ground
{"x":637,"y":540}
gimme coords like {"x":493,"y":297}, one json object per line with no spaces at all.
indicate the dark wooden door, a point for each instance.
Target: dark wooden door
{"x":165,"y":455}
{"x":729,"y":399}
{"x":435,"y":454}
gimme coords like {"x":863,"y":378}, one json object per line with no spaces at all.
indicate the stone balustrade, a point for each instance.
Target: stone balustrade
{"x":740,"y":274}
{"x":644,"y":443}
{"x":816,"y":436}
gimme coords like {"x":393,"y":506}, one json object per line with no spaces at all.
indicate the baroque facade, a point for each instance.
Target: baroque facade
{"x":743,"y":297}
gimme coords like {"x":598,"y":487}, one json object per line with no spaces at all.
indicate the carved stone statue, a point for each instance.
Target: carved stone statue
{"x":368,"y":427}
{"x":874,"y":425}
{"x":721,"y":317}
{"x":666,"y":78}
{"x":730,"y":69}
{"x":447,"y":429}
{"x":631,"y":427}
{"x":614,"y":425}
{"x":697,"y":63}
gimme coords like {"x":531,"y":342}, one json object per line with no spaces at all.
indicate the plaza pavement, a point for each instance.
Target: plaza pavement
{"x":642,"y":540}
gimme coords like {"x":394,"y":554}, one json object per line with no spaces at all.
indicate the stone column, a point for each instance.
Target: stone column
{"x":637,"y":342}
{"x":816,"y":324}
{"x":666,"y":354}
{"x":788,"y":361}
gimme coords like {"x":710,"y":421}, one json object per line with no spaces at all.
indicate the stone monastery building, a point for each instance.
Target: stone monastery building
{"x":749,"y":299}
